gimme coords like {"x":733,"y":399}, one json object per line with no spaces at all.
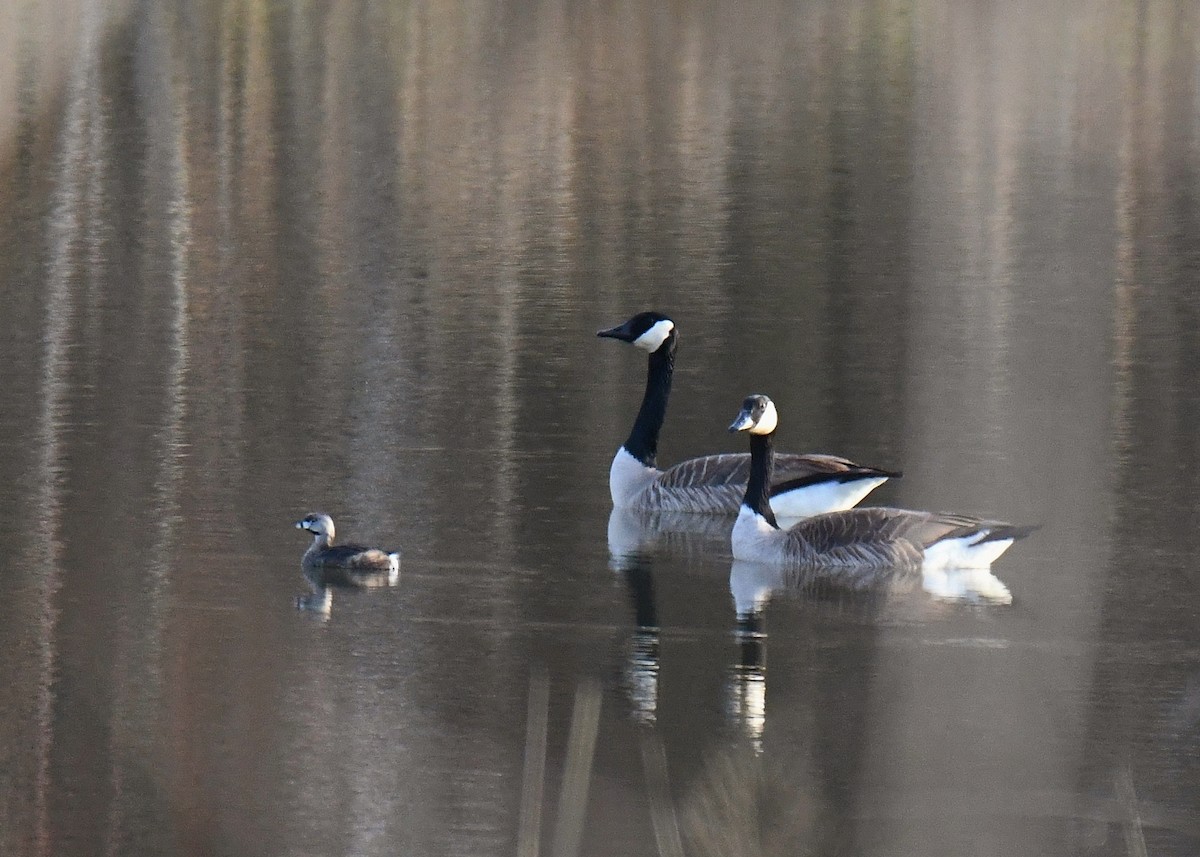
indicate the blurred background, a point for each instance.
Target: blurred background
{"x":259,"y":259}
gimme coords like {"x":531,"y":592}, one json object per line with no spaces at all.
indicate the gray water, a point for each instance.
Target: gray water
{"x":260,"y":259}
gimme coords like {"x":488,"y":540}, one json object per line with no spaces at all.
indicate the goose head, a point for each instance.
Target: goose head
{"x":646,"y":330}
{"x":317,"y":523}
{"x":757,"y":416}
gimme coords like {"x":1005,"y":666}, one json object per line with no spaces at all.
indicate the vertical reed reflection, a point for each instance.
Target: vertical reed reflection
{"x":1125,"y":285}
{"x":533,"y":781}
{"x":577,"y":771}
{"x":66,"y":235}
{"x":138,"y":689}
{"x":1137,"y":696}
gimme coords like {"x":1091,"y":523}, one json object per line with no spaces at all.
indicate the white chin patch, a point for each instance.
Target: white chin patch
{"x":656,"y":335}
{"x":767,"y":422}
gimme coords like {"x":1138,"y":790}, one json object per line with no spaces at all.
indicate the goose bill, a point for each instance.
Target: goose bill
{"x":621,"y":332}
{"x":743,"y":421}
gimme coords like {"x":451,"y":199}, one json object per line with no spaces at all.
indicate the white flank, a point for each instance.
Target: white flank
{"x":393,"y":568}
{"x":822,"y":497}
{"x":627,"y":478}
{"x":656,"y":335}
{"x":963,"y":553}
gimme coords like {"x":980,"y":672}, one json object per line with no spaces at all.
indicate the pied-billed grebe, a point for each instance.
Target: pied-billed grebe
{"x":868,"y":539}
{"x":324,"y":554}
{"x":804,"y":484}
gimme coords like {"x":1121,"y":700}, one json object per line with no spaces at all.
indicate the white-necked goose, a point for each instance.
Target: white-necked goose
{"x":805,"y":484}
{"x":867,"y":539}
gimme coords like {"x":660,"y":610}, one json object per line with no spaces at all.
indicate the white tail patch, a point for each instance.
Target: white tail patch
{"x":965,"y":552}
{"x":822,"y":497}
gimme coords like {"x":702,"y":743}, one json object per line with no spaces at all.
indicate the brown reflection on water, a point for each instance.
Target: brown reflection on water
{"x":259,"y":260}
{"x":68,"y":240}
{"x":1141,"y":742}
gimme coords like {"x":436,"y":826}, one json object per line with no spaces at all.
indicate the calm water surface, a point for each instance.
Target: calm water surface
{"x":259,"y":259}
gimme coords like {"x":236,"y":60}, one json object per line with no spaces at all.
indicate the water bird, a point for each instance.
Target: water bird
{"x":864,"y":540}
{"x":324,"y":554}
{"x":806,"y":484}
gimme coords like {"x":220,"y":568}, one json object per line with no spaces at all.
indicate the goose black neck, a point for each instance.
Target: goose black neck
{"x":758,"y":489}
{"x":643,"y":439}
{"x":640,"y":581}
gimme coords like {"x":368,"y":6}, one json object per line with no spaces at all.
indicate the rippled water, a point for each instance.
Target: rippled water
{"x":260,"y":259}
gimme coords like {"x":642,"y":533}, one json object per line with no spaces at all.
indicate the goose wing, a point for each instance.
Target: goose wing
{"x":791,"y":470}
{"x":877,"y":535}
{"x":794,"y":470}
{"x":929,"y":528}
{"x":869,"y":537}
{"x":709,"y":471}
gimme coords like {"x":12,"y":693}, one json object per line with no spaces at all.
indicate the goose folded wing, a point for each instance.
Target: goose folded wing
{"x":876,"y":535}
{"x":870,"y":525}
{"x":791,"y":470}
{"x":708,"y":471}
{"x":881,"y":524}
{"x":882,"y":536}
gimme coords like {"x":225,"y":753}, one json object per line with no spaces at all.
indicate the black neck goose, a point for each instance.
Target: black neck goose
{"x":806,"y":484}
{"x":865,"y":539}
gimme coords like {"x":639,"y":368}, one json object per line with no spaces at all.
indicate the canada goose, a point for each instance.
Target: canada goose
{"x":805,"y":484}
{"x":868,"y":539}
{"x":324,"y":554}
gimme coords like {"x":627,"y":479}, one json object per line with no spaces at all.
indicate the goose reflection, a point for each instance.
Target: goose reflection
{"x":634,"y":534}
{"x":747,"y":704}
{"x":325,"y":580}
{"x":753,"y":584}
{"x":641,"y":665}
{"x":633,"y":538}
